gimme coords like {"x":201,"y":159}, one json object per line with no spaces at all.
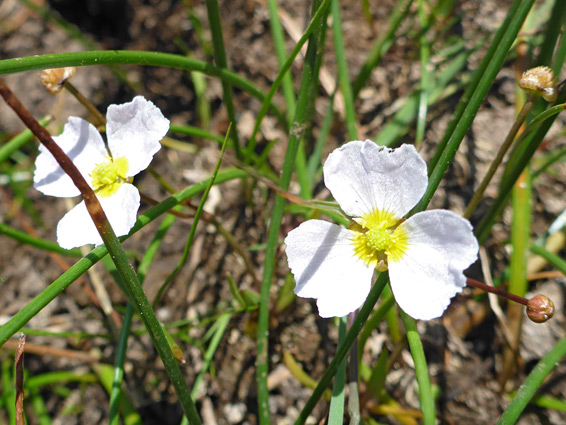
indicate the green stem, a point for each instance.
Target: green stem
{"x":532,"y":383}
{"x":343,"y":349}
{"x":116,"y":392}
{"x":343,"y":75}
{"x":194,"y":225}
{"x":314,"y":23}
{"x":25,"y":238}
{"x":474,"y":96}
{"x":222,"y":62}
{"x":336,"y":411}
{"x":130,"y":57}
{"x":149,"y":256}
{"x":421,"y":370}
{"x":300,"y":131}
{"x":425,"y":87}
{"x":280,"y":52}
{"x":16,"y":142}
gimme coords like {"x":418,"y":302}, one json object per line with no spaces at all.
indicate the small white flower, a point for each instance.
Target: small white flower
{"x":133,"y":131}
{"x":425,"y":254}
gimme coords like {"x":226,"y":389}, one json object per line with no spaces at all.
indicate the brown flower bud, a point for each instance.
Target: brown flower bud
{"x":54,"y":79}
{"x":540,"y":308}
{"x":540,"y":81}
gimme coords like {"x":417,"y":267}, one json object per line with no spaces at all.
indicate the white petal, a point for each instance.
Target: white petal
{"x":77,"y":229}
{"x":83,"y":145}
{"x":134,"y":130}
{"x":321,"y":256}
{"x":363,"y":176}
{"x":441,"y":247}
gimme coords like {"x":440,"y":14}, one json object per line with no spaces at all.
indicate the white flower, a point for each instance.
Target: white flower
{"x":425,"y":254}
{"x":133,"y":131}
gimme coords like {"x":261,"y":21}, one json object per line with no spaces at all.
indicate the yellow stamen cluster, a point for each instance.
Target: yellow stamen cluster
{"x":108,"y":176}
{"x":379,"y":239}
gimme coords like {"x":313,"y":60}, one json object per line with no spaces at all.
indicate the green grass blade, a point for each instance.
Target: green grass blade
{"x":314,"y":163}
{"x":222,"y":62}
{"x":39,"y":243}
{"x":520,"y":234}
{"x":143,"y":268}
{"x":118,"y":374}
{"x":467,"y":109}
{"x":105,"y":375}
{"x":554,"y":29}
{"x":131,"y":57}
{"x":523,"y":152}
{"x":513,"y":170}
{"x":343,"y":74}
{"x":314,"y":23}
{"x":302,"y":120}
{"x":58,"y":377}
{"x":556,"y":261}
{"x":425,"y":86}
{"x":376,"y":381}
{"x":421,"y":370}
{"x":401,"y":122}
{"x":139,"y":299}
{"x":194,"y":225}
{"x":221,"y":326}
{"x":281,"y":53}
{"x":532,"y":383}
{"x":39,"y":408}
{"x":16,"y":142}
{"x":336,"y":413}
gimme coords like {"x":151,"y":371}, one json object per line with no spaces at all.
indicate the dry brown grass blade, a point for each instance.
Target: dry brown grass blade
{"x":20,"y":416}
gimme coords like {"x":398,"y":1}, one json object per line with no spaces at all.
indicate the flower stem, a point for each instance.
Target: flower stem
{"x":497,"y":291}
{"x":499,"y":157}
{"x":99,"y":119}
{"x":354,"y":397}
{"x":426,"y":396}
{"x":132,"y":284}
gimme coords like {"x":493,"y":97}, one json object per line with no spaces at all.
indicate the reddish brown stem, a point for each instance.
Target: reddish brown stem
{"x":497,"y":291}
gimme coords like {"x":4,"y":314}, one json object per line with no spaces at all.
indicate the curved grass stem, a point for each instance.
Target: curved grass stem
{"x":521,"y":117}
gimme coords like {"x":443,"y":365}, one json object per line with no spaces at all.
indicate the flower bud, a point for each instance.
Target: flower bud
{"x":540,"y":81}
{"x":540,"y":308}
{"x":54,"y":79}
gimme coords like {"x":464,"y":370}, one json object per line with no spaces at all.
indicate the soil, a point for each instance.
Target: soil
{"x":464,"y":349}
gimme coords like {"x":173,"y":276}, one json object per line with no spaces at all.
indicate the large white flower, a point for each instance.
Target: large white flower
{"x":425,"y":254}
{"x":133,"y":130}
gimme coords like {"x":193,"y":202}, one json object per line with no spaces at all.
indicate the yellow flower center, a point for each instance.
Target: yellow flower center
{"x":108,"y":176}
{"x":379,"y":239}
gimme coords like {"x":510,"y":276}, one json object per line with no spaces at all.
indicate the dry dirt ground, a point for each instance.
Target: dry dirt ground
{"x":464,"y":357}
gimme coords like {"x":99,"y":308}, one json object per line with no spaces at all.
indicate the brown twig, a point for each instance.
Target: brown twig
{"x":20,"y":416}
{"x":43,"y":350}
